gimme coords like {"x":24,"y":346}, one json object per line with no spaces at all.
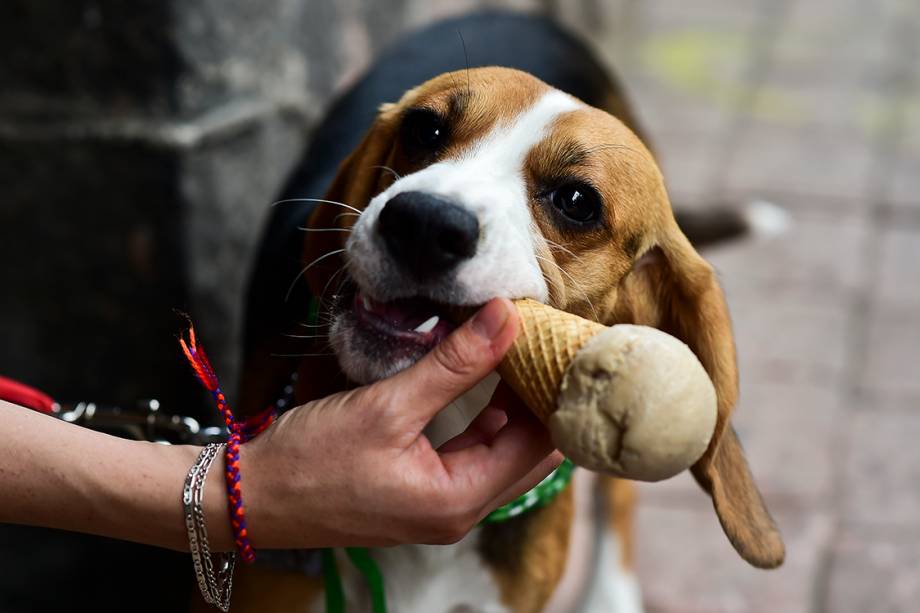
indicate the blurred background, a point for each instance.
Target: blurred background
{"x":141,"y":144}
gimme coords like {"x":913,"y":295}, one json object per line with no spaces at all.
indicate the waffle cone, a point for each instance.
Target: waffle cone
{"x":544,"y":348}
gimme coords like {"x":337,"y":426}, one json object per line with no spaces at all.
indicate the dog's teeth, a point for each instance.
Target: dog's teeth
{"x":367,"y":303}
{"x":428,"y":325}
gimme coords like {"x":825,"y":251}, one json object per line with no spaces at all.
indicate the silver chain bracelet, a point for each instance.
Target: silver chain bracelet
{"x":213,"y":571}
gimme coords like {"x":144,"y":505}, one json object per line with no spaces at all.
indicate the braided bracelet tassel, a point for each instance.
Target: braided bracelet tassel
{"x":240,"y":432}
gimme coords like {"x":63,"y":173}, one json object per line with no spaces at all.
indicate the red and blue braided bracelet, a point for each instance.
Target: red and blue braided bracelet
{"x":239,"y":432}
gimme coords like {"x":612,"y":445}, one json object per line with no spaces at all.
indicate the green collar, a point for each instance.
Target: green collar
{"x":540,"y":496}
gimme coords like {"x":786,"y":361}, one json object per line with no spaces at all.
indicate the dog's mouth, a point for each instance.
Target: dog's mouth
{"x":374,"y":339}
{"x":416,"y":320}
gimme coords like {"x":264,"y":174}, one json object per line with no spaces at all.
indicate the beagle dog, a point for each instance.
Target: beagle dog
{"x":529,"y":180}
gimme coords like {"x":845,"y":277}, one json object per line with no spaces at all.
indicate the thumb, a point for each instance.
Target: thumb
{"x":456,"y":364}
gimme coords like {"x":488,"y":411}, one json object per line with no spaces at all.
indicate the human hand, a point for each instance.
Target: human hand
{"x":355,"y":469}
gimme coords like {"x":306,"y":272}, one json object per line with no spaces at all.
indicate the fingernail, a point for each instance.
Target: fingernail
{"x":490,"y":319}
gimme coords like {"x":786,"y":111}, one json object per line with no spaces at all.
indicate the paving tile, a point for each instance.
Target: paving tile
{"x":791,"y":437}
{"x":859,"y":111}
{"x":834,"y":65}
{"x":665,"y":108}
{"x":898,"y":275}
{"x":741,"y":13}
{"x":834,"y":40}
{"x":911,"y":113}
{"x":821,"y":250}
{"x":904,"y":182}
{"x":874,"y":573}
{"x":686,"y":564}
{"x":903,"y":179}
{"x":786,"y":159}
{"x":786,"y":334}
{"x":686,"y":73}
{"x":882,"y":468}
{"x":687,"y":162}
{"x":791,"y":298}
{"x":892,"y":360}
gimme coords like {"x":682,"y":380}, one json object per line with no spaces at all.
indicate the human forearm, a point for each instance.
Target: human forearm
{"x":57,"y":475}
{"x":351,"y":469}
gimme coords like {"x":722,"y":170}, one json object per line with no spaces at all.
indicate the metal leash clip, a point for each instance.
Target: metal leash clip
{"x":145,"y":423}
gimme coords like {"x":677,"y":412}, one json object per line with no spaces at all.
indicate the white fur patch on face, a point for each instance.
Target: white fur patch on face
{"x":488,"y":180}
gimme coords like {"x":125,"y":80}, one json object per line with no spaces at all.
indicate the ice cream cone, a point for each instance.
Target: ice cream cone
{"x":541,"y":354}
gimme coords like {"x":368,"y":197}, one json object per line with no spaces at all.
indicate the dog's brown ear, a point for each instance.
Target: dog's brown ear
{"x":360,"y":177}
{"x":687,"y":302}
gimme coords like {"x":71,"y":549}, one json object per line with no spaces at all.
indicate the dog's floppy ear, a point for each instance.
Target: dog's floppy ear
{"x":360,"y":177}
{"x":687,"y":302}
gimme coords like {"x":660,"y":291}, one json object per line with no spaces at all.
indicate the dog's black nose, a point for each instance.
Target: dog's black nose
{"x":427,"y":235}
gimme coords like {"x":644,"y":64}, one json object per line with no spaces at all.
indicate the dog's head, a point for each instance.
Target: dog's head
{"x":488,"y":182}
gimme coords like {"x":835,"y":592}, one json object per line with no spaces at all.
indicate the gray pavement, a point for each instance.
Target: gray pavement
{"x":813,"y":105}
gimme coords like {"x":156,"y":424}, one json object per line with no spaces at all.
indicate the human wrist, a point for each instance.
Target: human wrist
{"x":146,"y":483}
{"x":259,"y":483}
{"x":281,"y":506}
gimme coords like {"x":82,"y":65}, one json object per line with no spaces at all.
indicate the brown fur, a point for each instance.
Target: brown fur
{"x":638,"y":267}
{"x":270,"y":591}
{"x":620,"y":502}
{"x":530,"y":566}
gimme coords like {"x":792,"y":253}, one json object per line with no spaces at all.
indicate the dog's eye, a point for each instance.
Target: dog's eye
{"x":577,"y":201}
{"x":424,"y":130}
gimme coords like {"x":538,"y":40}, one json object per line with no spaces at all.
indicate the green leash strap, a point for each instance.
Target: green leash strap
{"x":335,"y":595}
{"x":362,"y":560}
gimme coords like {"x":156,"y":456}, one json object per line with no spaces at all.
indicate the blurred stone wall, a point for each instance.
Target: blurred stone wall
{"x":140,"y":146}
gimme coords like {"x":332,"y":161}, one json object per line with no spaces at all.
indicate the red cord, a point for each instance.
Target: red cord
{"x":23,"y":395}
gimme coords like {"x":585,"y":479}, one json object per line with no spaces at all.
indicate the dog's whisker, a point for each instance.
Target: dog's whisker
{"x":546,"y":277}
{"x":322,"y":294}
{"x":305,"y":336}
{"x":388,"y":169}
{"x":562,"y":247}
{"x":308,"y":266}
{"x":311,"y":325}
{"x":324,"y":322}
{"x":550,"y":281}
{"x":320,"y":200}
{"x":577,"y":285}
{"x":340,"y":215}
{"x":305,"y":229}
